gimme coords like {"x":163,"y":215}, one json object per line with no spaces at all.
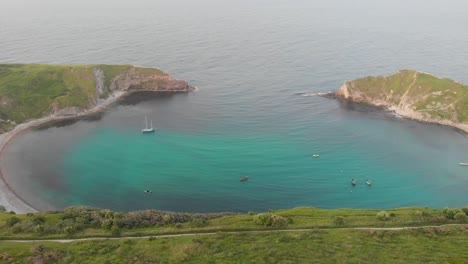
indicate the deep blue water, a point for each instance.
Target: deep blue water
{"x":250,"y":60}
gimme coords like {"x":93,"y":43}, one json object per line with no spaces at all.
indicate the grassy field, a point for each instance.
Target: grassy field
{"x":80,"y":222}
{"x":328,"y":240}
{"x":430,"y":245}
{"x":29,"y":91}
{"x":438,"y":98}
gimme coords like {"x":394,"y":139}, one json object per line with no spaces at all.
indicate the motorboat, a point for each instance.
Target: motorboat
{"x":245,"y":178}
{"x":353,"y":182}
{"x":369,"y":182}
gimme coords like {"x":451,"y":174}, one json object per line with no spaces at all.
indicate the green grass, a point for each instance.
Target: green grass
{"x":442,"y":245}
{"x":30,"y":91}
{"x":54,"y":224}
{"x":438,"y":98}
{"x":326,"y":241}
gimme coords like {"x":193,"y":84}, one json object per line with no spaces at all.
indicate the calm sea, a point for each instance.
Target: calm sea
{"x":251,"y":61}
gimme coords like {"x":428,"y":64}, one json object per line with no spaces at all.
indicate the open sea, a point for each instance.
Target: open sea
{"x":251,"y":60}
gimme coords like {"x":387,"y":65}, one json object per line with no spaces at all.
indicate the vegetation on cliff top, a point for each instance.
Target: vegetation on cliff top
{"x":29,"y":91}
{"x":423,"y":93}
{"x":431,"y":245}
{"x":324,"y":243}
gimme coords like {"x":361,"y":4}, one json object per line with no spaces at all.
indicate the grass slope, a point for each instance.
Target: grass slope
{"x":438,"y":98}
{"x":29,"y":91}
{"x":326,"y":242}
{"x":446,"y":245}
{"x":80,"y":222}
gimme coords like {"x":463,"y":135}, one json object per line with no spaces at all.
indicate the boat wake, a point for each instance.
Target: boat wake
{"x":306,"y":94}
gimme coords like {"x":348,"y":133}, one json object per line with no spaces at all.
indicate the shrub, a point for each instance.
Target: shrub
{"x":383,"y":215}
{"x":2,"y":209}
{"x":69,"y":230}
{"x":168,"y":219}
{"x":107,"y":224}
{"x":17,"y":229}
{"x":251,"y":213}
{"x":198,"y":223}
{"x":460,"y":217}
{"x":29,"y":214}
{"x":12,"y":221}
{"x":263,"y":219}
{"x":450,"y":213}
{"x":338,"y":220}
{"x":39,"y":219}
{"x":279,"y":221}
{"x":465,"y":210}
{"x":266,"y":219}
{"x":12,"y":212}
{"x":39,"y":229}
{"x":116,"y":230}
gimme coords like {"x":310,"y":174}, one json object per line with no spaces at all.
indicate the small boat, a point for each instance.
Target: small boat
{"x":148,"y":192}
{"x":463,"y":164}
{"x":316,"y":155}
{"x":148,"y":129}
{"x":368,"y":182}
{"x":353,"y":182}
{"x":244,"y":178}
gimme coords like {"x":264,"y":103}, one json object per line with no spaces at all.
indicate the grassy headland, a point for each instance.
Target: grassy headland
{"x":329,"y":238}
{"x":30,"y":91}
{"x":413,"y":94}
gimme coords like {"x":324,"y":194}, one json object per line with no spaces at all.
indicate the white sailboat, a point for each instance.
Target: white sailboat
{"x":148,"y":129}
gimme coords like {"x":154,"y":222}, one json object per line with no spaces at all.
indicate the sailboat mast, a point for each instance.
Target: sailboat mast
{"x":146,"y":122}
{"x":151,"y":123}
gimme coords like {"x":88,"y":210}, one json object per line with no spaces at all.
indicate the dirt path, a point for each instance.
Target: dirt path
{"x":404,"y":98}
{"x":229,"y":233}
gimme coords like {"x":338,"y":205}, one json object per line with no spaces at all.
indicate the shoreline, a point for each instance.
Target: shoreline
{"x":8,"y":196}
{"x":344,"y":96}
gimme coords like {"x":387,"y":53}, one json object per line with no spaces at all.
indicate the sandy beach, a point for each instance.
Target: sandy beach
{"x":8,"y":196}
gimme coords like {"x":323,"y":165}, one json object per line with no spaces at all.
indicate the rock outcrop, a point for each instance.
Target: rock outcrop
{"x":33,"y":91}
{"x":412,"y":94}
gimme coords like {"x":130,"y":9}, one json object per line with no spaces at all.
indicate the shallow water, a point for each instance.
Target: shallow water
{"x":251,"y":61}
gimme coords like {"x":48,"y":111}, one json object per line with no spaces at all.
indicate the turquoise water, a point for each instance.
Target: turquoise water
{"x":251,"y":61}
{"x":193,"y":162}
{"x":201,"y":172}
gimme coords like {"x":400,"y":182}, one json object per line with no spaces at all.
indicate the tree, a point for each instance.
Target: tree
{"x":2,"y":209}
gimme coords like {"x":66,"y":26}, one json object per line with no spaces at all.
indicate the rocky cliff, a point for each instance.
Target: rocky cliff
{"x":413,"y":94}
{"x":31,"y":91}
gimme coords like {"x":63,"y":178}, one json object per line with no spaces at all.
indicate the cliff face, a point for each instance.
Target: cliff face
{"x":31,"y":91}
{"x":135,"y":79}
{"x":414,"y":95}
